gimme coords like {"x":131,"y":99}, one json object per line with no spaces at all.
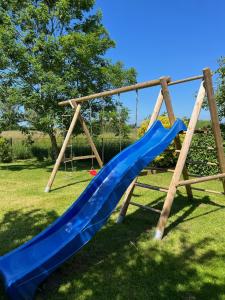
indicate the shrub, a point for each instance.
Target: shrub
{"x":168,"y":158}
{"x":199,"y":152}
{"x":21,"y":150}
{"x":5,"y":150}
{"x":144,"y":125}
{"x":40,"y":153}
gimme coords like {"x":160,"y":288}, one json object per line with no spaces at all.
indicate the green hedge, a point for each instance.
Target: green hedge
{"x":5,"y":150}
{"x":200,"y":152}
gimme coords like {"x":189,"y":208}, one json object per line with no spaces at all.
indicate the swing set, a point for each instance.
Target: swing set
{"x":182,"y":149}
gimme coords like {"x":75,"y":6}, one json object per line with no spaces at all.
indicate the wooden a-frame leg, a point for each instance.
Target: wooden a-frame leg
{"x":63,"y":149}
{"x":180,"y":165}
{"x":126,"y":201}
{"x":130,"y":189}
{"x":171,"y":116}
{"x":89,"y":138}
{"x":215,"y":121}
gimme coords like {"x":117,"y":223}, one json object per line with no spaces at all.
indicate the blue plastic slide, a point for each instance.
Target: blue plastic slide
{"x":24,"y":268}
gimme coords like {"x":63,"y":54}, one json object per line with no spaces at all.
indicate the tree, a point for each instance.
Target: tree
{"x":54,"y":50}
{"x":220,"y":91}
{"x":10,"y":114}
{"x":115,"y":119}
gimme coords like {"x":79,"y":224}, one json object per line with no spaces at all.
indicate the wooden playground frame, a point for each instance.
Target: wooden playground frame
{"x":205,"y":90}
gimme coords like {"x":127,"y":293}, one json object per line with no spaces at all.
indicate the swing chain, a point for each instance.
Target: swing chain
{"x":120,"y":130}
{"x":91,"y":132}
{"x":136,"y":113}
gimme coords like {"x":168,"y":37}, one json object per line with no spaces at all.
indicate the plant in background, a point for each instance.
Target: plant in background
{"x":203,"y":150}
{"x":5,"y":150}
{"x":144,"y":125}
{"x":114,"y":119}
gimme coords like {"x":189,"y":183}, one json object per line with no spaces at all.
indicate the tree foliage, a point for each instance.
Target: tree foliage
{"x":220,"y":92}
{"x":55,"y":50}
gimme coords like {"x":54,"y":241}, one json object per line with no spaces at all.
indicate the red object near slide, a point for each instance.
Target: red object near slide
{"x":93,"y":172}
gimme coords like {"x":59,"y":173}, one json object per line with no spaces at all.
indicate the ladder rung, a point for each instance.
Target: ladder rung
{"x":198,"y":162}
{"x":201,"y":179}
{"x":145,"y":207}
{"x":208,"y":191}
{"x":196,"y":131}
{"x":151,"y":187}
{"x":159,"y":169}
{"x":78,"y":158}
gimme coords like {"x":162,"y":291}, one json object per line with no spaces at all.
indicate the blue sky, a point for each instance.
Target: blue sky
{"x":176,"y":38}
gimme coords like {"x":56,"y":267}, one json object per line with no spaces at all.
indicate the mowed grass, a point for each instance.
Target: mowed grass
{"x":122,"y":261}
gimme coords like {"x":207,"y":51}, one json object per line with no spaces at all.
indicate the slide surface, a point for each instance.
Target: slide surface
{"x":24,"y":268}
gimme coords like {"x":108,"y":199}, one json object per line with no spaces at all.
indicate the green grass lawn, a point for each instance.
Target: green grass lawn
{"x":122,"y":261}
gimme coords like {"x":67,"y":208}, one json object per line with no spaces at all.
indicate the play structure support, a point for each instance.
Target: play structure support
{"x":63,"y":149}
{"x":163,"y":95}
{"x":180,"y":164}
{"x":77,"y":116}
{"x":130,"y":189}
{"x":118,"y":91}
{"x":215,"y":121}
{"x":206,"y":89}
{"x":167,"y":99}
{"x":89,"y":138}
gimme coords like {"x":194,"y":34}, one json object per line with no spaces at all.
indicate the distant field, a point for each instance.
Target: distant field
{"x":15,"y":134}
{"x":203,"y":123}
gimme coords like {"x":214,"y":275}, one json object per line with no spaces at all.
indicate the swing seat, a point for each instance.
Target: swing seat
{"x":93,"y":172}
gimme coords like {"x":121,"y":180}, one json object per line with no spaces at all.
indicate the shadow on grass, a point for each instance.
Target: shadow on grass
{"x":114,"y":266}
{"x":17,"y":227}
{"x":48,"y":165}
{"x":181,"y":202}
{"x":70,"y":184}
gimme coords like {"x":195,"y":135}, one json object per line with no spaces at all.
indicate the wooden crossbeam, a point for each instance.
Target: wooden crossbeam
{"x":201,"y":179}
{"x":78,"y":158}
{"x":199,"y":162}
{"x":207,"y":191}
{"x":121,"y":90}
{"x":145,"y":207}
{"x":160,"y":169}
{"x":152,"y":187}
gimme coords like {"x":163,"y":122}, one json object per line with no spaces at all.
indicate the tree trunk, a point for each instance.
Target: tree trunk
{"x":55,"y":149}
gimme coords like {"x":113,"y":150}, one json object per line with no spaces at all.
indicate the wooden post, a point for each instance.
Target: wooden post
{"x":156,"y":109}
{"x":215,"y":120}
{"x":89,"y":137}
{"x":180,"y":164}
{"x":130,"y":189}
{"x":167,"y":99}
{"x":63,"y":149}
